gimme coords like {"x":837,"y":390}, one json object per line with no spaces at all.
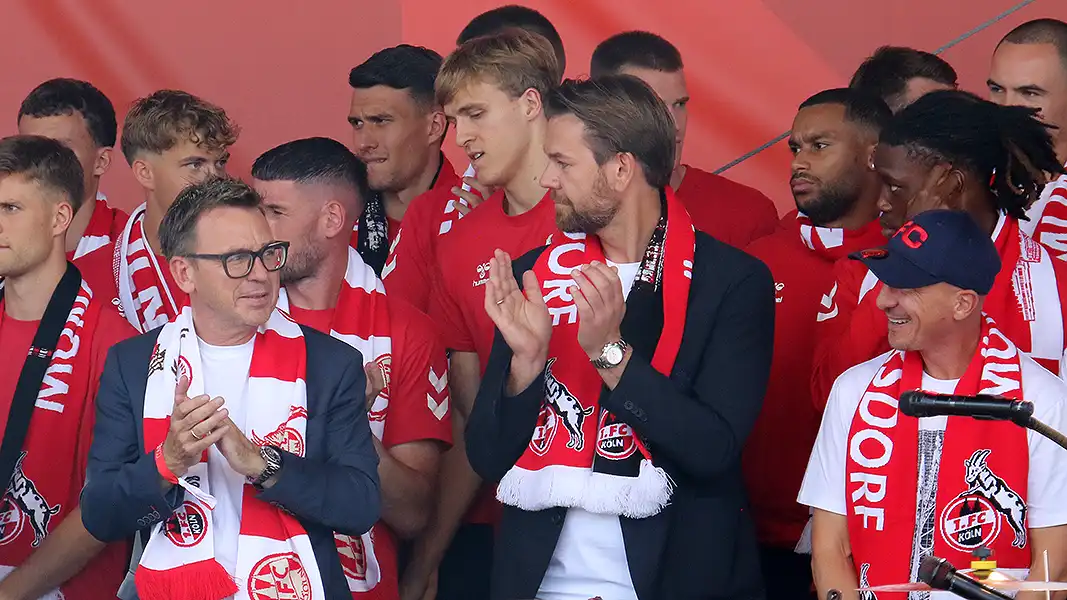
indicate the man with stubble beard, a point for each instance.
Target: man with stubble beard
{"x":836,"y":190}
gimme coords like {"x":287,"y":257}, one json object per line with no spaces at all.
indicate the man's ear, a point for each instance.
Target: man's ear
{"x":143,"y":173}
{"x":334,"y":219}
{"x":103,"y":161}
{"x":438,"y":126}
{"x":531,"y":104}
{"x":967,"y":302}
{"x":184,"y":272}
{"x":62,"y":217}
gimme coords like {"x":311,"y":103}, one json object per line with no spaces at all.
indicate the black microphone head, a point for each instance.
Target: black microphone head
{"x":909,"y":403}
{"x":936,"y":572}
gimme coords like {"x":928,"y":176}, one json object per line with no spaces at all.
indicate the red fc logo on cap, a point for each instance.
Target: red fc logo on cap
{"x":912,"y":235}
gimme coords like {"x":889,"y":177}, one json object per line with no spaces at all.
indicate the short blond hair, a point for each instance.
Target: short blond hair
{"x":514,"y":59}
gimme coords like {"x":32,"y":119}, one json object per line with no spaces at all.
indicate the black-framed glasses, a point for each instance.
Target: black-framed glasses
{"x":238,"y":265}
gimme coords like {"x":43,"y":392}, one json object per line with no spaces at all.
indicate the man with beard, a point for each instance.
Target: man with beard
{"x":836,"y":190}
{"x":616,"y":439}
{"x":397,"y":130}
{"x":1029,"y":68}
{"x":900,"y":75}
{"x":956,"y":151}
{"x":728,"y":211}
{"x":312,"y":191}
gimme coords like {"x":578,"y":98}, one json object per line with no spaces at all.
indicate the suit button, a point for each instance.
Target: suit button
{"x":628,"y":405}
{"x":557,"y":519}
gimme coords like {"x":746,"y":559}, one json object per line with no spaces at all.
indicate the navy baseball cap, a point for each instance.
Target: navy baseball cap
{"x":937,"y":246}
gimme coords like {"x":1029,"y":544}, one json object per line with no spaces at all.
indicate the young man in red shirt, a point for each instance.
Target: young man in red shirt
{"x":54,"y":336}
{"x":313,"y":189}
{"x":413,"y":256}
{"x":397,"y":130}
{"x":82,"y":118}
{"x":1029,"y":68}
{"x":728,"y":211}
{"x":836,"y":190}
{"x":491,"y":88}
{"x":171,"y":139}
{"x":953,"y":150}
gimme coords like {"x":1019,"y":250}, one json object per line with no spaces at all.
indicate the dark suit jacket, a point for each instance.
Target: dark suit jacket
{"x":703,"y":545}
{"x":333,"y":487}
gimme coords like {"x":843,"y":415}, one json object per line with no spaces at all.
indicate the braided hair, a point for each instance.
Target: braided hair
{"x":1004,"y":145}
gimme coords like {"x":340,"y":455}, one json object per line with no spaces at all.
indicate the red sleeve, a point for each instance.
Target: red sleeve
{"x":407,"y":271}
{"x":111,"y":329}
{"x":766,"y":215}
{"x":847,"y":332}
{"x":445,"y":310}
{"x":419,"y":402}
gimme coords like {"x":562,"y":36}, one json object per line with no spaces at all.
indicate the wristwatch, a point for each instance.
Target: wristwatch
{"x":611,"y":355}
{"x":273,"y":457}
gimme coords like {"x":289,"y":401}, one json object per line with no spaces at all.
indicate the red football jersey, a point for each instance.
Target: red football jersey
{"x":726,"y":210}
{"x":419,"y":407}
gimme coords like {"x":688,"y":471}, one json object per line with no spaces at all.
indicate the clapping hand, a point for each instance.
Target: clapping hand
{"x":522,"y":318}
{"x":601,"y":306}
{"x":375,"y":382}
{"x":195,"y":424}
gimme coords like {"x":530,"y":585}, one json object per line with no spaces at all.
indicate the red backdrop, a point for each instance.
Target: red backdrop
{"x":280,"y":68}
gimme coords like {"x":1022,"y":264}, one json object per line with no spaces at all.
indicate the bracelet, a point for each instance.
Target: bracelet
{"x":161,"y":466}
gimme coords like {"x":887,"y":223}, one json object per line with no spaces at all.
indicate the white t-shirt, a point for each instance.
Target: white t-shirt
{"x":824,"y":482}
{"x":226,"y":375}
{"x":590,"y":556}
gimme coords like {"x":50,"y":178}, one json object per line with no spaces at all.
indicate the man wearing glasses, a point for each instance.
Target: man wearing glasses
{"x":233,"y":441}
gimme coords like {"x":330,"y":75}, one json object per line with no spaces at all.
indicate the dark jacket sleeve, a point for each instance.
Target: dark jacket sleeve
{"x":702,"y":426}
{"x":499,"y":427}
{"x":123,"y":489}
{"x":341,"y":492}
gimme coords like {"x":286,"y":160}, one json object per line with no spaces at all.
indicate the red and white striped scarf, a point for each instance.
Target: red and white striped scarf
{"x":835,"y":243}
{"x":361,"y":320}
{"x":146,"y":299}
{"x":580,"y":455}
{"x":981,"y":482}
{"x":1047,"y":222}
{"x":1027,"y":296}
{"x":274,"y":554}
{"x":98,"y":232}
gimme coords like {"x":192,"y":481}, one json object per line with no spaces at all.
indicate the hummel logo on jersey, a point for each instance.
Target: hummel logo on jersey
{"x":483,"y":274}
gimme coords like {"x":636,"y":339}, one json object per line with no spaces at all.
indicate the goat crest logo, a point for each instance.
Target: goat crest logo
{"x":567,"y":407}
{"x":285,"y":437}
{"x":155,"y":364}
{"x":975,"y":517}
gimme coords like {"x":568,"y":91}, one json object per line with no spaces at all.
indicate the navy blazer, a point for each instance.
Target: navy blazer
{"x":333,"y":487}
{"x":703,"y":544}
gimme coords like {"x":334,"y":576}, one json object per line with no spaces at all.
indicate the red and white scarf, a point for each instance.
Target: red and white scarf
{"x":982,"y":479}
{"x":1047,"y":222}
{"x":835,"y":243}
{"x":146,"y":299}
{"x":41,"y":495}
{"x":274,"y":554}
{"x":1026,"y":295}
{"x":361,"y":320}
{"x":580,"y":455}
{"x":98,"y":232}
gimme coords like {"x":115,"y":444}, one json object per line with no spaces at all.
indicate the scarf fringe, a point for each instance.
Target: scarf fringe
{"x":202,"y":580}
{"x":572,"y":487}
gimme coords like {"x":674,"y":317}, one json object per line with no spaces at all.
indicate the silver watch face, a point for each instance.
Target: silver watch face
{"x":613,"y":354}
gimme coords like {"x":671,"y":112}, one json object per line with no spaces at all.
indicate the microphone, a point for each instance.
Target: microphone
{"x":940,"y":575}
{"x":918,"y":403}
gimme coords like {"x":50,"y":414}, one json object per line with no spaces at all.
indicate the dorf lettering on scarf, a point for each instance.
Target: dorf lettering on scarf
{"x":274,"y":554}
{"x":580,"y":455}
{"x":361,"y":320}
{"x":40,"y":496}
{"x":982,"y":480}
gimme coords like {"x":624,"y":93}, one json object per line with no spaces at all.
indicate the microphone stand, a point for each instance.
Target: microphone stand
{"x":1049,"y":433}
